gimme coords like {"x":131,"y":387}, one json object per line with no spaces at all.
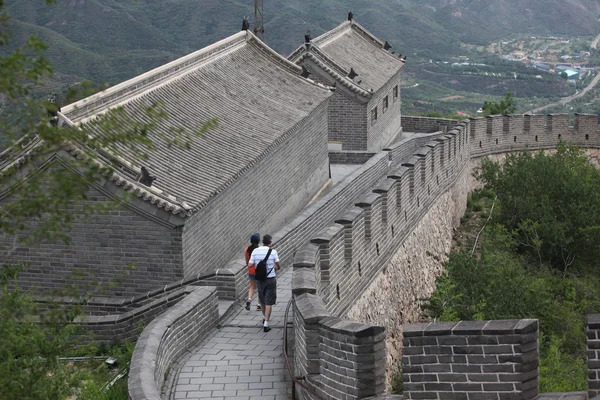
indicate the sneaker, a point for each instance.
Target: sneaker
{"x":258,"y":307}
{"x":266,"y":328}
{"x":248,"y":305}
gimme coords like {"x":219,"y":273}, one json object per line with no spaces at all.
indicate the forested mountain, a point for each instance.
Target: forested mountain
{"x":110,"y":40}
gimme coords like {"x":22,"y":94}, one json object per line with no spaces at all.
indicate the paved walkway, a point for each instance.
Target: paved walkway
{"x":240,"y":361}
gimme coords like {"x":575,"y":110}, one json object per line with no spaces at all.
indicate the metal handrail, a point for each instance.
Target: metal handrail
{"x":288,"y":367}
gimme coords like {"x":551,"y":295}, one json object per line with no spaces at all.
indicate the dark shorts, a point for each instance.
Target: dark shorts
{"x":267,"y":291}
{"x":252,"y":277}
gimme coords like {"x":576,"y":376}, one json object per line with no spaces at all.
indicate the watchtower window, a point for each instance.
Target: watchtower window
{"x":373,"y":115}
{"x":395,"y":92}
{"x":385,"y":103}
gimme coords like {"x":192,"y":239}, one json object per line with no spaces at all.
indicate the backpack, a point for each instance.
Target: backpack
{"x":261,"y":268}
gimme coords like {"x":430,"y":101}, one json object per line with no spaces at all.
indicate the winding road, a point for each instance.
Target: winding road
{"x":595,"y":42}
{"x":570,"y":98}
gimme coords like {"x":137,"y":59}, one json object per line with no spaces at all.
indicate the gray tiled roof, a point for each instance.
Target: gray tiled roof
{"x":256,"y":94}
{"x":352,"y":46}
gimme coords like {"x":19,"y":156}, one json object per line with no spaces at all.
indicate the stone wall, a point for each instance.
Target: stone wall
{"x":388,"y":126}
{"x":471,"y":360}
{"x":167,"y":338}
{"x":102,"y":246}
{"x":260,"y":200}
{"x":411,"y":272}
{"x":593,"y":355}
{"x":427,"y":124}
{"x":344,"y":258}
{"x":351,"y":268}
{"x":347,"y":122}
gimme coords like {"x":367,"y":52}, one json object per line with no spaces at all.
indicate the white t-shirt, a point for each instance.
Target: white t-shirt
{"x":259,"y":254}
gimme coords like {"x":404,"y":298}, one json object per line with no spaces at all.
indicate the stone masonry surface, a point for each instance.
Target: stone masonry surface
{"x":471,"y":360}
{"x":167,"y":338}
{"x":411,"y":273}
{"x":262,"y":200}
{"x":593,"y":355}
{"x":97,"y":250}
{"x":322,"y":293}
{"x":239,"y":360}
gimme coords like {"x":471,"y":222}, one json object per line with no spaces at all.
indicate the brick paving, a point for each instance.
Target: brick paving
{"x":239,"y":361}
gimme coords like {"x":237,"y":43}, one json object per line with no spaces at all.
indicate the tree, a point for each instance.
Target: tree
{"x":33,"y":339}
{"x":552,"y":198}
{"x":505,"y":106}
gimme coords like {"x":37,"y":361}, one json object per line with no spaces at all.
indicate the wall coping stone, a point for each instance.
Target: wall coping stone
{"x":384,"y":185}
{"x":306,"y":256}
{"x":351,"y":215}
{"x":399,"y":173}
{"x":311,"y":308}
{"x":593,"y":321}
{"x":356,"y":329}
{"x":304,"y":281}
{"x":494,"y":327}
{"x":368,"y":200}
{"x":411,"y":162}
{"x":327,"y":234}
{"x":423,"y":151}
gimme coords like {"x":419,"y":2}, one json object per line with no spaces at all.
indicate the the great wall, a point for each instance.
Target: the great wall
{"x":364,"y":253}
{"x":357,"y":255}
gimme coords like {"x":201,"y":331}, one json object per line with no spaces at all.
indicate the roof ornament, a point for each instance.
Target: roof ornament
{"x":245,"y":24}
{"x":146,"y":178}
{"x":305,"y":73}
{"x":53,"y":109}
{"x":386,"y":46}
{"x":350,"y":15}
{"x":352,"y":74}
{"x":307,"y":37}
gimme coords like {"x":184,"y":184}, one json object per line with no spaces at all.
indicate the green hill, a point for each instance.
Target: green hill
{"x":112,"y":40}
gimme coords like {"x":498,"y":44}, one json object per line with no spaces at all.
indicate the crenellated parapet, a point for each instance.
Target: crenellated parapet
{"x":345,"y":257}
{"x":338,"y":263}
{"x":506,"y":133}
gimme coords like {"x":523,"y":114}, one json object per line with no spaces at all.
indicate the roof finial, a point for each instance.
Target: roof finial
{"x":305,"y":73}
{"x":350,"y":15}
{"x":307,"y":37}
{"x":53,"y":109}
{"x":245,"y":24}
{"x":352,"y":74}
{"x":386,"y":46}
{"x":146,"y":178}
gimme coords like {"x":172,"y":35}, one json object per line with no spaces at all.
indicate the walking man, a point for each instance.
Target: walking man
{"x":267,"y":289}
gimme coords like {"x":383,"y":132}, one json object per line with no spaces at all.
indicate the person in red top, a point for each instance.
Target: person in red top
{"x":254,"y":242}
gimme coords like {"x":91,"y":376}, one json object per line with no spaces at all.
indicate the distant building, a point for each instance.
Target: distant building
{"x":365,"y":111}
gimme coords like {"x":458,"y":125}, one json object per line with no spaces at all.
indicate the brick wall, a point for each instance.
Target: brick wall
{"x":388,"y":126}
{"x":348,"y":121}
{"x":593,"y":354}
{"x":349,"y":157}
{"x":262,"y":199}
{"x":502,"y":134}
{"x":427,"y":124}
{"x":167,"y":338}
{"x":128,"y":325}
{"x":101,"y":248}
{"x":471,"y":360}
{"x":338,"y":359}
